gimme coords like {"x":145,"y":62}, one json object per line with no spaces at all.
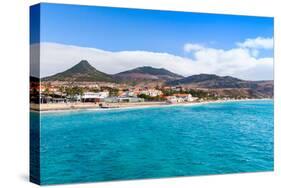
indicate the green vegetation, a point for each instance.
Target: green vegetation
{"x":72,"y":91}
{"x":198,"y":93}
{"x":113,"y":92}
{"x":149,"y":98}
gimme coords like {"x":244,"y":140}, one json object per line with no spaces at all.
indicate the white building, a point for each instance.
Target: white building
{"x":179,"y":98}
{"x":94,"y":96}
{"x":189,"y":98}
{"x":174,"y":99}
{"x":128,"y":94}
{"x":152,"y":92}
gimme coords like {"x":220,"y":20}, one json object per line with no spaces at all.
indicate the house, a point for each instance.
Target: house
{"x":94,"y":96}
{"x":152,"y":92}
{"x":186,"y":97}
{"x":190,"y":98}
{"x":174,"y":99}
{"x":177,"y":88}
{"x":179,"y":98}
{"x":127,"y":94}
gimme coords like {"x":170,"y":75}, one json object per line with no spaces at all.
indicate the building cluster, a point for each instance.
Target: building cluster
{"x":180,"y":98}
{"x":55,"y":93}
{"x":136,"y":91}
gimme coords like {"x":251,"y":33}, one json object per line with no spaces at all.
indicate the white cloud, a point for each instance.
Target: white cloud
{"x":234,"y":62}
{"x":192,"y":47}
{"x":257,"y":43}
{"x":58,"y":57}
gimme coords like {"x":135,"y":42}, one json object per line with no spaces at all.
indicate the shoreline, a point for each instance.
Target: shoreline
{"x":95,"y":107}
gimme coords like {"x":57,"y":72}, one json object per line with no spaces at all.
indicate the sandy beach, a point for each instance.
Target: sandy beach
{"x":79,"y":105}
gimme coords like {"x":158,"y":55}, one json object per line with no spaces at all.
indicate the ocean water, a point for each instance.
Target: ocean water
{"x":122,"y":144}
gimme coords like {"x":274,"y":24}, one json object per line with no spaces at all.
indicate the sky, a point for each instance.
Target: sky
{"x":118,"y":39}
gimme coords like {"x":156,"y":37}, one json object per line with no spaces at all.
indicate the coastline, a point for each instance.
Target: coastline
{"x":66,"y":107}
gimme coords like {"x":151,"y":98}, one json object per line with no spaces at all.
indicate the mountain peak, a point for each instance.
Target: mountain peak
{"x":84,"y":62}
{"x":146,"y":67}
{"x":82,"y":67}
{"x":82,"y":71}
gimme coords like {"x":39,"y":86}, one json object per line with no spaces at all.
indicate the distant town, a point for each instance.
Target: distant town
{"x":82,"y":86}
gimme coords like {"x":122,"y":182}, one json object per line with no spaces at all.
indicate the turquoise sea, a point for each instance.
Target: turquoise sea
{"x":121,"y":144}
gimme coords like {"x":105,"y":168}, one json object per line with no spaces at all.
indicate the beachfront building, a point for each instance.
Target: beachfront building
{"x":52,"y":99}
{"x":179,"y":98}
{"x":45,"y":99}
{"x":75,"y":98}
{"x":152,"y":92}
{"x":59,"y":100}
{"x":174,"y":99}
{"x":123,"y":99}
{"x":94,"y":96}
{"x":191,"y":99}
{"x":186,"y":97}
{"x":130,"y":99}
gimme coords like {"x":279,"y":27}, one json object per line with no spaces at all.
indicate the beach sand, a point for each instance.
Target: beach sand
{"x":73,"y":106}
{"x":79,"y":105}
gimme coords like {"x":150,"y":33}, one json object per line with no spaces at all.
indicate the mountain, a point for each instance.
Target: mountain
{"x":82,"y":71}
{"x":147,"y":74}
{"x":225,"y":84}
{"x":210,"y":81}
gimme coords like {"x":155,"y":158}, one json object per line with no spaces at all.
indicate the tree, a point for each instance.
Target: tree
{"x":113,"y":92}
{"x":61,"y":90}
{"x":47,"y":91}
{"x":149,"y":98}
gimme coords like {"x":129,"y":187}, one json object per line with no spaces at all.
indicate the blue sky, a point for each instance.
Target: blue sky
{"x":117,"y":29}
{"x":182,"y":42}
